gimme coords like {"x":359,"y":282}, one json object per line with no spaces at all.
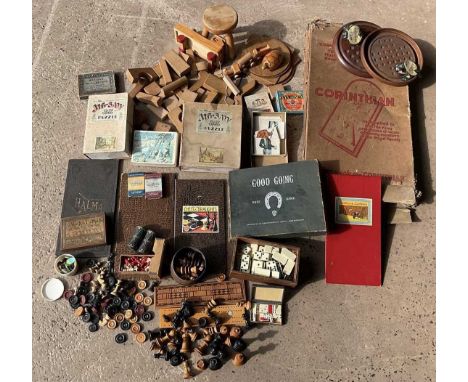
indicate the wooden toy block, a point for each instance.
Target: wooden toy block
{"x":153,"y":88}
{"x":159,"y":111}
{"x":169,"y":89}
{"x":215,"y":84}
{"x":161,"y":126}
{"x":229,"y":101}
{"x":187,"y":96}
{"x":171,"y":102}
{"x":166,"y":74}
{"x":231,"y":85}
{"x":132,"y":74}
{"x":188,"y":59}
{"x":176,"y":63}
{"x":138,"y":87}
{"x":209,"y":97}
{"x":149,"y":99}
{"x":201,"y":66}
{"x":199,"y":83}
{"x":175,"y":116}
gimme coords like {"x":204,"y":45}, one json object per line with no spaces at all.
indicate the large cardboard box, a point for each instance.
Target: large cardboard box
{"x":109,"y":123}
{"x":356,"y":125}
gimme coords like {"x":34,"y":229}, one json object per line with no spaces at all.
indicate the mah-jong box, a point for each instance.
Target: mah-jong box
{"x":282,"y":200}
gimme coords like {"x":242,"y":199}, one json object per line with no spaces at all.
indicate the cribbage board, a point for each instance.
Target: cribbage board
{"x":230,"y":315}
{"x":222,"y":292}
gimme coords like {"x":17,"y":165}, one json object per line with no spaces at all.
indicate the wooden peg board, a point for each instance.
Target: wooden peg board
{"x":227,"y":291}
{"x":230,"y":314}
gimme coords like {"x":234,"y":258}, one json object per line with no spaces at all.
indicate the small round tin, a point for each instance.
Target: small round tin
{"x":385,"y":52}
{"x":347,"y":45}
{"x":52,"y":289}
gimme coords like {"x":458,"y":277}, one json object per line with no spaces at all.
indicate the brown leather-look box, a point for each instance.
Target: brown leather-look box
{"x":236,"y":259}
{"x":154,"y":272}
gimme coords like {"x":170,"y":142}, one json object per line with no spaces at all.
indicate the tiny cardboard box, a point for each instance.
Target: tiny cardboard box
{"x":259,"y":160}
{"x":154,"y":271}
{"x":267,"y":304}
{"x":235,"y":264}
{"x":109,"y":124}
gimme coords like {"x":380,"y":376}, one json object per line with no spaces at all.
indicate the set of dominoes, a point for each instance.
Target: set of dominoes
{"x":267,"y":261}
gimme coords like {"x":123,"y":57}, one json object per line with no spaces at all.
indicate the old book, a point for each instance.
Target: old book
{"x":212,"y":137}
{"x":109,"y":123}
{"x":154,"y":214}
{"x":282,"y":200}
{"x":353,"y":243}
{"x":200,"y":220}
{"x":155,"y":148}
{"x":91,"y":187}
{"x":355,"y":125}
{"x":83,"y":231}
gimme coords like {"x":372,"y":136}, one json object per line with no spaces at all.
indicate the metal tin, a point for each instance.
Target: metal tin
{"x":349,"y":52}
{"x":384,"y":49}
{"x":96,"y":83}
{"x":147,"y":244}
{"x":137,"y":237}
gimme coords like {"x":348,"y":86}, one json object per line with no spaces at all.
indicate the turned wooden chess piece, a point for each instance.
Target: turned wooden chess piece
{"x":221,"y":20}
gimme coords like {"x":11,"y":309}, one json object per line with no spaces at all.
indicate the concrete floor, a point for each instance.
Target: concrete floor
{"x":333,"y":332}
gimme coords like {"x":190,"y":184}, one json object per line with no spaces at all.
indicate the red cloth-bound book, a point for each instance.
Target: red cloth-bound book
{"x":353,"y":249}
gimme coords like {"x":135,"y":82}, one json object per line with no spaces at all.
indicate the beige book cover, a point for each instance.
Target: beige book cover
{"x":109,"y":123}
{"x":211,"y":141}
{"x":356,"y":125}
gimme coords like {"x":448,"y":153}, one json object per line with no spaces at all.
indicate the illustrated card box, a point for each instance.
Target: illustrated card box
{"x":83,"y":231}
{"x":211,"y":141}
{"x":353,"y":244}
{"x":269,"y":138}
{"x":356,"y":125}
{"x":91,"y":187}
{"x":200,"y":220}
{"x":156,"y":148}
{"x":290,"y":101}
{"x":283,"y":200}
{"x":279,"y":263}
{"x":136,"y":184}
{"x":153,"y":185}
{"x":96,"y":83}
{"x":258,"y":101}
{"x":267,"y":304}
{"x":109,"y":123}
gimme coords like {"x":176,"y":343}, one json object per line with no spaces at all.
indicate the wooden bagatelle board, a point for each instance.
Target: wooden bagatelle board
{"x":222,"y":292}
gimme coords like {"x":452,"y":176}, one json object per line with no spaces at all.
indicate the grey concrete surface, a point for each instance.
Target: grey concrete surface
{"x":333,"y":332}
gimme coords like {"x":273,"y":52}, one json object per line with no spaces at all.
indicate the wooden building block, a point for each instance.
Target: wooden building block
{"x":215,"y":84}
{"x":169,"y":89}
{"x":187,"y":96}
{"x":188,"y":59}
{"x":189,"y":52}
{"x":132,"y":74}
{"x":209,"y":97}
{"x":238,"y":100}
{"x":138,"y":87}
{"x":157,"y":69}
{"x":153,"y":88}
{"x":171,"y":103}
{"x":231,"y":85}
{"x":149,"y":99}
{"x":201,"y":66}
{"x":166,"y":74}
{"x":176,"y":63}
{"x":201,"y":92}
{"x":199,"y":83}
{"x":158,"y":111}
{"x":175,"y":116}
{"x":229,"y":101}
{"x":161,"y":126}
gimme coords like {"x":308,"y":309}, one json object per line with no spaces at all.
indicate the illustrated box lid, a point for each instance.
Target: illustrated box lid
{"x":282,"y":200}
{"x":267,"y":293}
